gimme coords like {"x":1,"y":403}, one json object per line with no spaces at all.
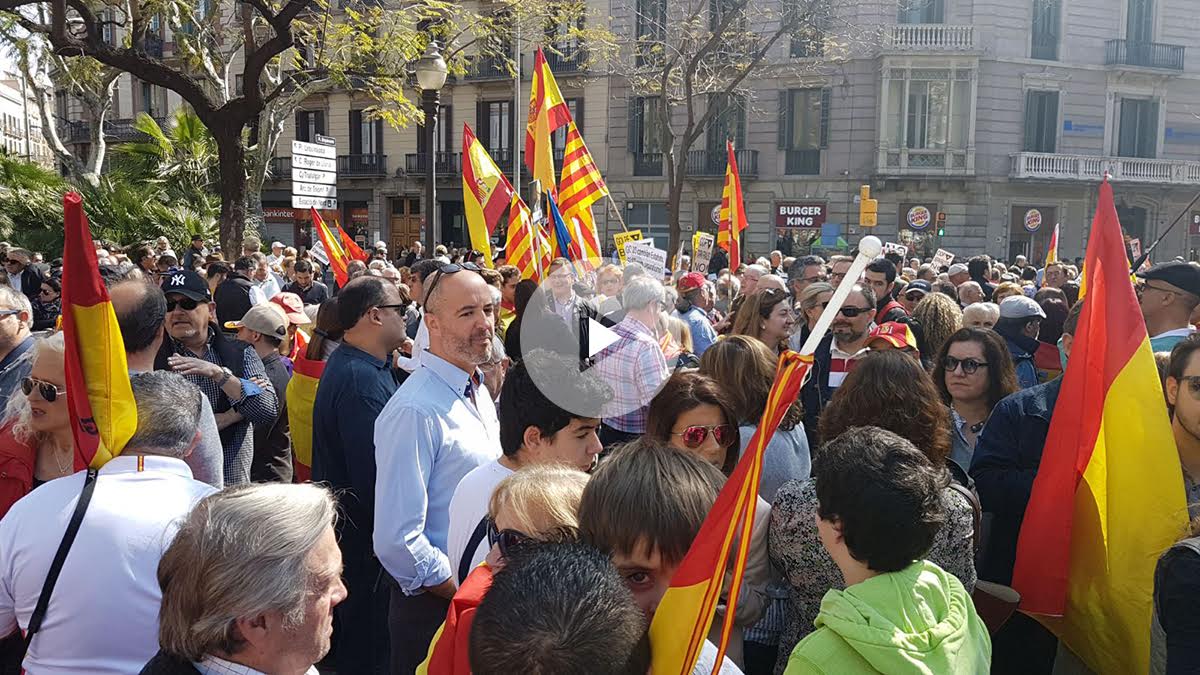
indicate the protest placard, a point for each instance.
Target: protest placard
{"x":942,"y":258}
{"x":623,"y":238}
{"x":644,"y":253}
{"x":891,"y":247}
{"x":702,"y":250}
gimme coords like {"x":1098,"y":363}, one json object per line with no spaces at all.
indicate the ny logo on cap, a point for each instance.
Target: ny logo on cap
{"x":177,"y":280}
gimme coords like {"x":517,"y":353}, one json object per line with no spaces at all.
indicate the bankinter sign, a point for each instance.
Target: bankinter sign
{"x":799,"y":214}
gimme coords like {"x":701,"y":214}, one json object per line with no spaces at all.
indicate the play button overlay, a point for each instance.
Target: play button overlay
{"x":599,"y":338}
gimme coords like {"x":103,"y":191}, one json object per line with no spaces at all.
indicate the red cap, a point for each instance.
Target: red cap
{"x":292,"y":306}
{"x":689,"y":282}
{"x":899,"y":335}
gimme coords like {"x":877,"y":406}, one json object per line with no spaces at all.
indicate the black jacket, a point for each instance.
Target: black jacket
{"x":233,"y":298}
{"x":816,"y":392}
{"x":314,"y":295}
{"x":168,"y":664}
{"x":1004,"y":466}
{"x":272,"y":449}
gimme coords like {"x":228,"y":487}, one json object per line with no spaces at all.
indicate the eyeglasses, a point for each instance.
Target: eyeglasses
{"x":10,"y":261}
{"x":392,"y":306}
{"x":915,"y":296}
{"x":819,"y":277}
{"x":46,"y":291}
{"x":445,"y":270}
{"x":48,"y":391}
{"x":504,"y":539}
{"x":694,"y":436}
{"x":187,"y":304}
{"x":1193,"y":385}
{"x":1141,"y":288}
{"x":969,"y":366}
{"x":9,"y":312}
{"x":851,"y":312}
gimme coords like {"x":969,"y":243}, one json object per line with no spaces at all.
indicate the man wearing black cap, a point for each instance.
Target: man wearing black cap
{"x":1169,"y":292}
{"x":229,"y":372}
{"x":195,"y":249}
{"x":914,"y":292}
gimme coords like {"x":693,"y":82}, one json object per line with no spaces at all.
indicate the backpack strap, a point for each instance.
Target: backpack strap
{"x":60,"y":557}
{"x":464,"y":565}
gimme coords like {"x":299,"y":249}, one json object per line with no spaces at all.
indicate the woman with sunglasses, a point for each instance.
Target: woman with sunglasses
{"x":36,"y":445}
{"x":889,"y":390}
{"x":691,"y":413}
{"x":48,"y":305}
{"x":972,"y":373}
{"x":812,"y":302}
{"x":767,"y":316}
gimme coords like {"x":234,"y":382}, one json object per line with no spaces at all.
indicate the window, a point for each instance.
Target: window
{"x":1138,"y":128}
{"x":803,"y":128}
{"x":152,"y":102}
{"x":1046,"y":17}
{"x":651,"y":27}
{"x":729,"y":122}
{"x":496,"y":129}
{"x":558,"y":139}
{"x":922,"y":11}
{"x":444,"y":131}
{"x":309,"y":123}
{"x":366,"y":135}
{"x":1041,"y":121}
{"x":928,"y":108}
{"x":1139,"y":21}
{"x":650,"y":218}
{"x":239,"y":84}
{"x":645,"y":139}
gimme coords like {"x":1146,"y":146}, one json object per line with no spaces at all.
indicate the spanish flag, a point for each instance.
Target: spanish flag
{"x":521,"y":248}
{"x":1109,"y":493}
{"x":733,"y":212}
{"x":547,"y":112}
{"x":301,"y":394}
{"x":580,"y":187}
{"x":486,"y":193}
{"x":333,"y":248}
{"x":448,"y":653}
{"x":1052,"y":250}
{"x":99,"y":396}
{"x":352,"y":250}
{"x":682,"y":620}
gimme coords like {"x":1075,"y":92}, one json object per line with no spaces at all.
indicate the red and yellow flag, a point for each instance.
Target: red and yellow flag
{"x":580,"y":187}
{"x":486,"y":193}
{"x":1109,"y":493}
{"x":682,"y":620}
{"x":353,"y":251}
{"x":521,"y":247}
{"x":448,"y":653}
{"x":1052,"y":250}
{"x":301,"y":395}
{"x":733,"y":212}
{"x":338,"y":258}
{"x":547,"y":112}
{"x":99,"y":395}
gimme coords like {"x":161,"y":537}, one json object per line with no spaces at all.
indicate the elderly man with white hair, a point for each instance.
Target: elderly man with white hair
{"x":969,"y":293}
{"x":130,"y":511}
{"x":981,"y":315}
{"x":750,"y":276}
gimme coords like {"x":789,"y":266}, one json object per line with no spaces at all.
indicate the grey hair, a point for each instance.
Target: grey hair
{"x":808,"y":296}
{"x":168,"y":410}
{"x":757,"y":269}
{"x":240,"y":553}
{"x":11,"y":298}
{"x":18,"y":409}
{"x":377,"y":265}
{"x":640,"y":291}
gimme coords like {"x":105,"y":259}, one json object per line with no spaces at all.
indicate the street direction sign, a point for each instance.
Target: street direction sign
{"x":302,"y":202}
{"x":314,"y":150}
{"x":314,"y":190}
{"x":315,"y":163}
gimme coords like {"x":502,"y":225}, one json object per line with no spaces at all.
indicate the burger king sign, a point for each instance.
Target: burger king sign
{"x":918,"y":217}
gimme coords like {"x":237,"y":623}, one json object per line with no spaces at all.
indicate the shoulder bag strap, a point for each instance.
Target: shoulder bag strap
{"x":976,"y":510}
{"x":464,"y":565}
{"x":60,"y":557}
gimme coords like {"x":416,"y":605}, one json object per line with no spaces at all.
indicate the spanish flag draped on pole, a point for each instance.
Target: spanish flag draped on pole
{"x":1109,"y":493}
{"x":521,"y":249}
{"x":353,"y":251}
{"x":580,"y":187}
{"x":733,"y":212}
{"x":486,"y":193}
{"x":333,"y":249}
{"x":99,"y":396}
{"x":547,"y":112}
{"x":1052,"y":250}
{"x":682,"y":620}
{"x":301,"y":396}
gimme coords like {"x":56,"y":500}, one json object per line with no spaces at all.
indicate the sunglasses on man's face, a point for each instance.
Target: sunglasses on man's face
{"x":504,"y":539}
{"x":187,"y":304}
{"x":694,"y":436}
{"x":49,"y":392}
{"x":12,"y":261}
{"x":851,"y":312}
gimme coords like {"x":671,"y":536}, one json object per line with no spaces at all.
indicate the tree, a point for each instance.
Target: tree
{"x":285,"y":50}
{"x":682,"y":52}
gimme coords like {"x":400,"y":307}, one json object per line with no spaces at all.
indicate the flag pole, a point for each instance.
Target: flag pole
{"x":616,"y":212}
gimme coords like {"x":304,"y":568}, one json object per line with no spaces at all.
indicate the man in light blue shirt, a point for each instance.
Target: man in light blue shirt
{"x":439,"y":425}
{"x":693,"y":305}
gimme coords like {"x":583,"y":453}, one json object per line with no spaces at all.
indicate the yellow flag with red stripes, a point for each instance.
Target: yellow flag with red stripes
{"x":100,"y":400}
{"x":684,"y":616}
{"x":521,"y":249}
{"x":580,"y":186}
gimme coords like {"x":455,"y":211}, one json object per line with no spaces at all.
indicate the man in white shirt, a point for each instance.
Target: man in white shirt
{"x":274,"y":613}
{"x":533,"y":430}
{"x":108,"y":581}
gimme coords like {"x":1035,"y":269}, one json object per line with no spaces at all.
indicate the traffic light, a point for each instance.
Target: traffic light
{"x":941,"y":223}
{"x":868,"y":209}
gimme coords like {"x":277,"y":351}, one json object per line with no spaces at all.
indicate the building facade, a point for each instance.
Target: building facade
{"x":20,"y":128}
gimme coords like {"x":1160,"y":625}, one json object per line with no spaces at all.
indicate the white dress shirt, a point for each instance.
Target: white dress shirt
{"x":420,"y":344}
{"x":213,"y":665}
{"x":103,"y":614}
{"x":438,"y":426}
{"x":468,"y":506}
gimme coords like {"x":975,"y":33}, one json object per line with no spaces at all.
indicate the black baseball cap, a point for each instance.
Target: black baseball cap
{"x":1182,"y":275}
{"x":186,"y":283}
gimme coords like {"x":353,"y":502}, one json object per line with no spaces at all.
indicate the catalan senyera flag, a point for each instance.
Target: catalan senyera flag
{"x":486,"y":193}
{"x":547,"y":112}
{"x":353,"y":250}
{"x":681,"y":622}
{"x":1109,"y":493}
{"x":580,"y":186}
{"x":521,"y":248}
{"x":99,"y":395}
{"x":733,"y":212}
{"x":301,"y":395}
{"x":338,"y":259}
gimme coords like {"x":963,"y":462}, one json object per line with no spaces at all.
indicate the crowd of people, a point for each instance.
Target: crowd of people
{"x":430,"y":507}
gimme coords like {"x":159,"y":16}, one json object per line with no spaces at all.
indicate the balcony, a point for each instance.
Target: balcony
{"x":803,"y":162}
{"x":711,"y":163}
{"x":153,"y":46}
{"x":1143,"y":55}
{"x":648,"y":164}
{"x":555,"y":153}
{"x":918,"y":162}
{"x":76,"y":132}
{"x":569,"y":63}
{"x":488,"y":68}
{"x":929,"y":37}
{"x":445,"y":164}
{"x":1091,"y":168}
{"x":124,"y":130}
{"x":362,"y":165}
{"x":281,"y":168}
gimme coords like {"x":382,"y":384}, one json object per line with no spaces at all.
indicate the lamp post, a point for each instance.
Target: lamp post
{"x":431,"y":75}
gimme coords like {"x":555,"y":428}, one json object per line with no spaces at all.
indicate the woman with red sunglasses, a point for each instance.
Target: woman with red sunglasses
{"x":35,"y":439}
{"x":692,"y":413}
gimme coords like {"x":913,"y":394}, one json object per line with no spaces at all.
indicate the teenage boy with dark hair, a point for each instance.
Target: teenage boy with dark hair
{"x":643,"y":506}
{"x":878,"y":512}
{"x":533,"y":430}
{"x":558,"y":608}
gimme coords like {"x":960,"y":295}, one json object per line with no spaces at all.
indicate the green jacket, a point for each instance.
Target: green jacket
{"x":917,"y":620}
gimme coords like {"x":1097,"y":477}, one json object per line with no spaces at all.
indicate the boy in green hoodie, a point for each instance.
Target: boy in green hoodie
{"x":879,"y":508}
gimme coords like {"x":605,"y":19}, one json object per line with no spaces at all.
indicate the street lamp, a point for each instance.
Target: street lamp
{"x":431,"y":75}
